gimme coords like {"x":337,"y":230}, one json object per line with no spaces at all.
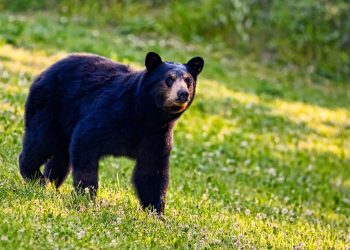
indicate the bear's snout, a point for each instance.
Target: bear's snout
{"x":182,"y":96}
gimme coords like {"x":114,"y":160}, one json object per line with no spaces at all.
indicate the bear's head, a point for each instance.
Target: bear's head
{"x":171,"y":86}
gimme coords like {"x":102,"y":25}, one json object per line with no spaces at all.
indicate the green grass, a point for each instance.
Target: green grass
{"x":261,"y":159}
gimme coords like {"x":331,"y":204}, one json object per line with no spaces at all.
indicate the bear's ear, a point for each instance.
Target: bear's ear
{"x":196,"y":64}
{"x":152,"y":61}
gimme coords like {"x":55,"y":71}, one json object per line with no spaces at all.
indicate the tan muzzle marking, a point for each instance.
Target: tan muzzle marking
{"x":177,"y":86}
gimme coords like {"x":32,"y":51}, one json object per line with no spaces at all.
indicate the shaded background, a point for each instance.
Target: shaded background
{"x":312,"y":35}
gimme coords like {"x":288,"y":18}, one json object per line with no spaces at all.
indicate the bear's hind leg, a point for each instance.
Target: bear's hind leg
{"x":31,"y":158}
{"x":39,"y":143}
{"x":57,"y":168}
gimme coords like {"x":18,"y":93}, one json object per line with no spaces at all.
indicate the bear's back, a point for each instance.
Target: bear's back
{"x":82,"y":64}
{"x":79,"y":84}
{"x":84,"y":74}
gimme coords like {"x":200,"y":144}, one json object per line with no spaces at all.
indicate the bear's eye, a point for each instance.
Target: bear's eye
{"x":188,"y":81}
{"x":169,"y":81}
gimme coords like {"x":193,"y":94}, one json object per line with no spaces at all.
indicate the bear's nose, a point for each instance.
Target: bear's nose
{"x":183,"y":95}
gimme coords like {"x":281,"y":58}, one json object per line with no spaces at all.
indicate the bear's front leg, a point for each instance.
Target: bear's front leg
{"x":151,"y":173}
{"x":151,"y":183}
{"x":85,"y":175}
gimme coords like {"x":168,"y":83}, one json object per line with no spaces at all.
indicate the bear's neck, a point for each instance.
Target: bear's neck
{"x":152,"y":115}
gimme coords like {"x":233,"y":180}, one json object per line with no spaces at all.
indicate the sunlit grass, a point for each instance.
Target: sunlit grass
{"x":18,"y":60}
{"x":254,"y":164}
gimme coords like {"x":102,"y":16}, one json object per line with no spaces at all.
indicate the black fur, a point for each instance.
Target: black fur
{"x":85,"y":107}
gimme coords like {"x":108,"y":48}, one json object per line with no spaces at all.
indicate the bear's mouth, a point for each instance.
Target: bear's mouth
{"x":176,"y":108}
{"x":179,"y":103}
{"x":172,"y":106}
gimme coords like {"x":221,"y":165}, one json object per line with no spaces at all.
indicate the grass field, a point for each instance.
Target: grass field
{"x":261,"y":159}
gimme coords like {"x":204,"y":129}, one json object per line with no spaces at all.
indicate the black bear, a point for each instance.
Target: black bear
{"x":85,"y":107}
